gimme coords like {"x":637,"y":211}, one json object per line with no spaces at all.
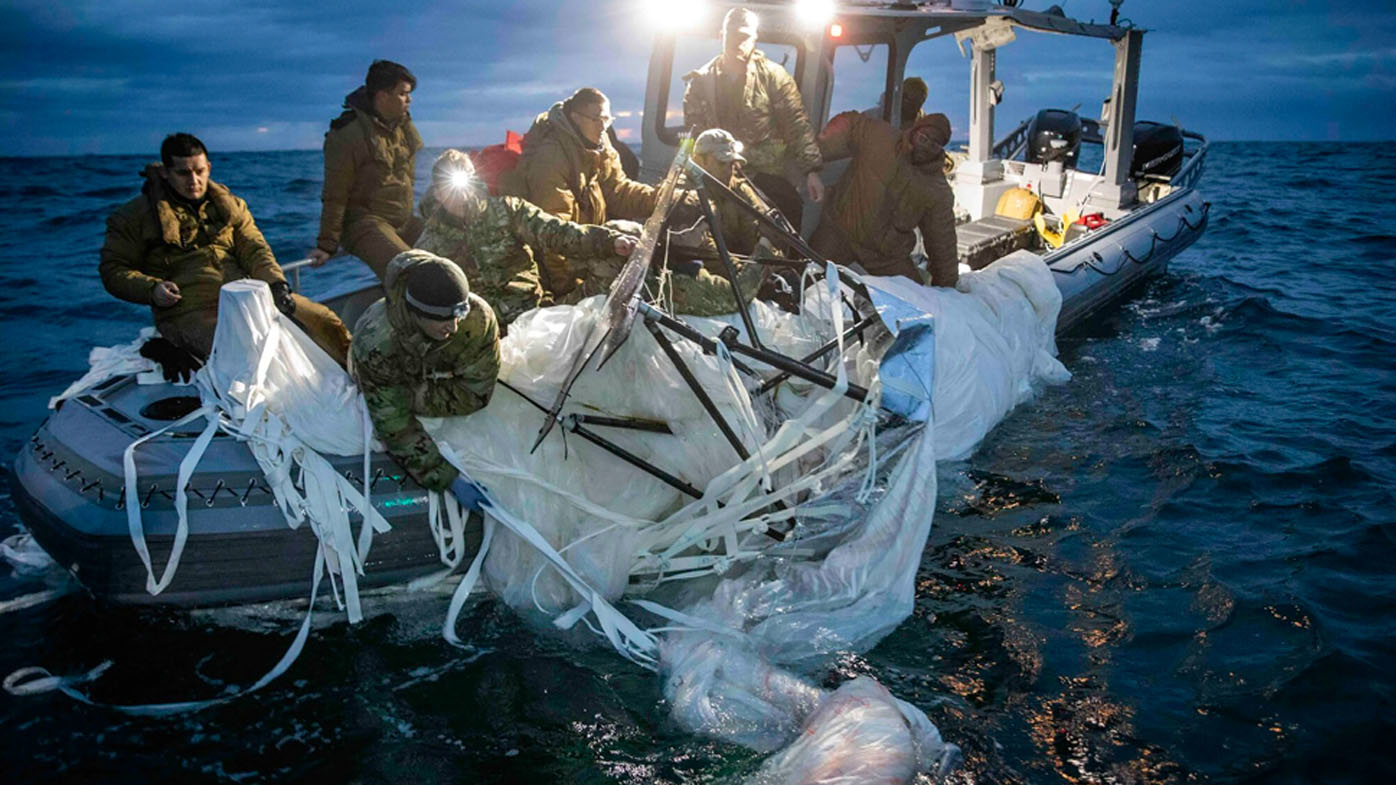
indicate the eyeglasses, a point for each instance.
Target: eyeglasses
{"x":604,"y":119}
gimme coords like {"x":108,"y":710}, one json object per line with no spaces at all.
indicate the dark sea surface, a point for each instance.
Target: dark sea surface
{"x":1178,"y":567}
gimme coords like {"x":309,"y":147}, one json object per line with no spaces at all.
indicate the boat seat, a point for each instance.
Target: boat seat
{"x":980,"y":242}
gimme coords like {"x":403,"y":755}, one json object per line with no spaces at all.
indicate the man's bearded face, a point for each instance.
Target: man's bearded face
{"x":925,"y":148}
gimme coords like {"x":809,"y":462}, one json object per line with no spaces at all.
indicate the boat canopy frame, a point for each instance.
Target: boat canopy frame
{"x":903,"y":26}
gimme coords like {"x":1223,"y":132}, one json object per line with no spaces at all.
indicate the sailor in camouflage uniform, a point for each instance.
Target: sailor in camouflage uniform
{"x":428,"y":349}
{"x":494,"y":239}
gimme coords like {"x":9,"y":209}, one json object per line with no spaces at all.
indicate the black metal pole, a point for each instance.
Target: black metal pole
{"x":708,"y":345}
{"x":715,"y":229}
{"x":778,"y":361}
{"x":628,"y":423}
{"x":795,"y":368}
{"x":702,"y":395}
{"x":612,"y":448}
{"x":848,"y":334}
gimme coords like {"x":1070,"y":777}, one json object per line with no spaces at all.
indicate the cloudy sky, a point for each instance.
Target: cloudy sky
{"x":114,"y":76}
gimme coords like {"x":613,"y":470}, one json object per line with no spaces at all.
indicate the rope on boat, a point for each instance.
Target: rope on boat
{"x":1153,"y":243}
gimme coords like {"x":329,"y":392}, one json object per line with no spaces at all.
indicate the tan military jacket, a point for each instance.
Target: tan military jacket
{"x":871,"y":215}
{"x":576,"y":181}
{"x":369,"y":170}
{"x":157,"y":237}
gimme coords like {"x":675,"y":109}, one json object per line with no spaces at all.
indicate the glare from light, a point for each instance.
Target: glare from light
{"x":461,"y":180}
{"x":814,"y":13}
{"x":836,"y":30}
{"x":676,"y":16}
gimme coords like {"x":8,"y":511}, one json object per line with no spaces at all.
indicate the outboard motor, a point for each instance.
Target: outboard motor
{"x":1158,"y":150}
{"x":1054,"y":135}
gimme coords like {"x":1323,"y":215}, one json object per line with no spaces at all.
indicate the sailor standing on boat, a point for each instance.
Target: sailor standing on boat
{"x":492,"y":238}
{"x":570,"y":169}
{"x":430,"y":348}
{"x":370,"y":155}
{"x":894,"y":185}
{"x":176,"y":244}
{"x":758,"y":102}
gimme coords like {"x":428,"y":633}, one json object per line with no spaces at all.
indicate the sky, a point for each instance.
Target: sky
{"x":116,"y":76}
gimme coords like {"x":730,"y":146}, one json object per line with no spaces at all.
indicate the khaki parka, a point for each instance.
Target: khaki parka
{"x":496,"y":248}
{"x":768,"y":118}
{"x":565,"y":175}
{"x":160,"y":237}
{"x":369,"y":170}
{"x":871,"y":214}
{"x":404,"y":375}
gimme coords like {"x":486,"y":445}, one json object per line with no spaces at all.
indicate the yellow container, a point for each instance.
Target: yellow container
{"x":1018,"y":203}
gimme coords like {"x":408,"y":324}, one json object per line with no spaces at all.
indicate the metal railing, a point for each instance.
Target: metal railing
{"x":1191,"y":172}
{"x":293,"y":270}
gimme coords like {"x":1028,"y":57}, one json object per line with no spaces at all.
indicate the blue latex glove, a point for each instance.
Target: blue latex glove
{"x":470,"y":495}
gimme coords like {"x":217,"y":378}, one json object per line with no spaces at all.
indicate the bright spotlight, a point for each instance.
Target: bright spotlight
{"x":675,"y":16}
{"x":461,"y":180}
{"x":814,"y":13}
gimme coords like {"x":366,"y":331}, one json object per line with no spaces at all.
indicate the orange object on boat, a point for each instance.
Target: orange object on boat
{"x":493,"y":161}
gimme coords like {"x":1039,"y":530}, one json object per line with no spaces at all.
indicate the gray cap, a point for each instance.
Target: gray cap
{"x":719,"y":144}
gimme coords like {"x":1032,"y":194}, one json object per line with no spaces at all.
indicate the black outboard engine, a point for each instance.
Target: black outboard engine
{"x":1158,"y":150}
{"x":1054,"y":135}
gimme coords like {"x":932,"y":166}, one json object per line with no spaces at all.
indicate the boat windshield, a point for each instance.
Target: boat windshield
{"x":860,"y":79}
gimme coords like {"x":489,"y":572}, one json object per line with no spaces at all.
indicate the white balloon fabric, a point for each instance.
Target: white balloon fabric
{"x":573,"y":529}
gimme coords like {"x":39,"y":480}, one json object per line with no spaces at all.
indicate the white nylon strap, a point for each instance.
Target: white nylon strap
{"x":133,"y":501}
{"x":467,"y":584}
{"x":36,"y":680}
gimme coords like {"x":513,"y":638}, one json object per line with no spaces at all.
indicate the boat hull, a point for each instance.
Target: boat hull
{"x":240,"y":548}
{"x":1109,"y":263}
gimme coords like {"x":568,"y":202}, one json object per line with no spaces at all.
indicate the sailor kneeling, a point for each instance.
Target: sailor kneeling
{"x":430,"y":348}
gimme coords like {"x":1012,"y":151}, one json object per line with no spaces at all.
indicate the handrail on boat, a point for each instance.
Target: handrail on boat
{"x":1191,"y":171}
{"x":294,"y":270}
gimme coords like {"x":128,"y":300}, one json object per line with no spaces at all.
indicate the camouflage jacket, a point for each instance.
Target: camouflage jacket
{"x":403,"y":374}
{"x":872,"y":213}
{"x":769,"y":118}
{"x":496,"y":249}
{"x":369,"y":170}
{"x":576,"y":181}
{"x":156,"y":237}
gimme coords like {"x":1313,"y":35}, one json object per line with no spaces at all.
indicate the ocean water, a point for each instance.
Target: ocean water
{"x":1178,"y":567}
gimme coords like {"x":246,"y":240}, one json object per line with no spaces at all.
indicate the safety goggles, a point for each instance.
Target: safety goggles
{"x":440,"y":312}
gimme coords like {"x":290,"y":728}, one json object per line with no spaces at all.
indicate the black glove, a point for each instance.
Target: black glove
{"x":281,"y":295}
{"x":176,"y":362}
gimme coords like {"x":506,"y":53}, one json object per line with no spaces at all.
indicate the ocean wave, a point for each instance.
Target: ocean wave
{"x":111,"y":192}
{"x":88,"y":217}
